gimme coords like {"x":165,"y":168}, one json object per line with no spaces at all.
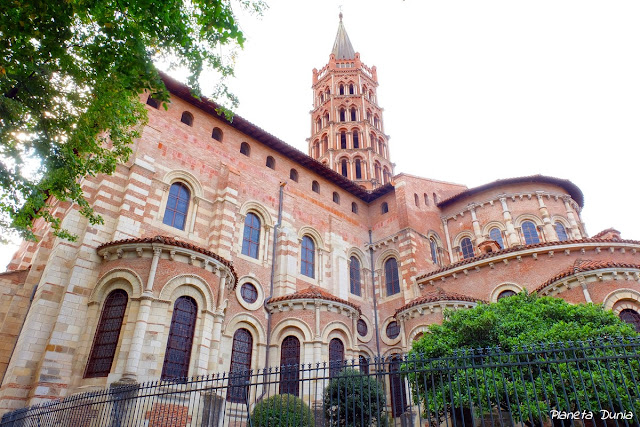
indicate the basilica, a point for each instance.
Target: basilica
{"x":225,"y":248}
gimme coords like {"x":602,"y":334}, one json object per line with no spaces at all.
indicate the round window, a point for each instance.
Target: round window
{"x":249,"y":293}
{"x":362,"y":328}
{"x":393,"y":330}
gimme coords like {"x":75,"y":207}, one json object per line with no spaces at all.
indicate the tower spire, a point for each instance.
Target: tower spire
{"x":342,"y":48}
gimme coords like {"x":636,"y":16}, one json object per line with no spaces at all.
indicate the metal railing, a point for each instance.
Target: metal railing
{"x":571,"y":383}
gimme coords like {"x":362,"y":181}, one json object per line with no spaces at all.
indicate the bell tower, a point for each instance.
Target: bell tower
{"x":347,"y":131}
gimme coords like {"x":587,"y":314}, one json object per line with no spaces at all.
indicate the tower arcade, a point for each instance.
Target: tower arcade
{"x":347,"y":131}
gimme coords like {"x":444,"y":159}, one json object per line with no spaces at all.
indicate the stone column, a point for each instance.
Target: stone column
{"x":140,"y":329}
{"x":476,"y":224}
{"x":512,"y":236}
{"x":575,"y":230}
{"x":216,"y":337}
{"x":547,"y":226}
{"x":446,"y":235}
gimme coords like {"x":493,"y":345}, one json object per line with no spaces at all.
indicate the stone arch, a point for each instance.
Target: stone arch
{"x":292,"y":326}
{"x":384,"y":256}
{"x":393,"y":351}
{"x":493,"y":224}
{"x":118,"y":278}
{"x":618,"y":296}
{"x":364,"y":261}
{"x":466,"y":233}
{"x":420,"y":329}
{"x":186,"y":177}
{"x":190,"y":285}
{"x":248,"y":321}
{"x":528,"y":217}
{"x":313,"y":233}
{"x":258,"y":208}
{"x":250,"y":278}
{"x":504,"y":287}
{"x":337,"y":329}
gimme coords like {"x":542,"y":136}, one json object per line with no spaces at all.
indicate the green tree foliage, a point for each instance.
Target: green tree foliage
{"x":353,"y":398}
{"x":282,"y":410}
{"x":525,"y":355}
{"x":71,"y":73}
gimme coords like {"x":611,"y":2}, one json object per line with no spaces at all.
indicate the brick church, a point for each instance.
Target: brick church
{"x":225,"y":248}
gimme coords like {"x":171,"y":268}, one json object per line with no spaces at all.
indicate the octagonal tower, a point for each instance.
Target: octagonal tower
{"x":347,"y":131}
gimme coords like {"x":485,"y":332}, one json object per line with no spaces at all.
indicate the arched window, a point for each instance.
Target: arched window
{"x":356,"y":142}
{"x":325,"y":144}
{"x":318,"y":124}
{"x":384,"y":207}
{"x":343,"y":115}
{"x":433,"y":245}
{"x":336,"y":198}
{"x":187,"y":118}
{"x":426,"y":199}
{"x":271,"y":162}
{"x":435,"y":198}
{"x":353,"y":114}
{"x":354,"y":275}
{"x":354,"y":207}
{"x":505,"y":294}
{"x":377,"y":171}
{"x":496,"y":234}
{"x":216,"y":134}
{"x":530,"y":233}
{"x":561,"y":232}
{"x":178,"y":354}
{"x":341,"y":89}
{"x":251,"y":236}
{"x":416,"y":199}
{"x":467,"y":248}
{"x":343,"y":140}
{"x":631,"y":317}
{"x":344,"y":167}
{"x":397,"y":386}
{"x":352,"y":89}
{"x":308,"y":257}
{"x":175,"y":213}
{"x":289,"y":365}
{"x":358,"y":169}
{"x":391,"y":278}
{"x":293,"y":175}
{"x":105,"y":341}
{"x":245,"y":149}
{"x":315,"y":187}
{"x":240,"y":365}
{"x":386,"y":175}
{"x":152,"y":102}
{"x":336,"y":356}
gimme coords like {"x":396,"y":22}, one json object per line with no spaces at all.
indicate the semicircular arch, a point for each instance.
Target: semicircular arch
{"x":118,"y":278}
{"x":202,"y":288}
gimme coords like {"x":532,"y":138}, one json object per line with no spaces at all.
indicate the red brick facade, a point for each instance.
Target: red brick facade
{"x":234,"y":172}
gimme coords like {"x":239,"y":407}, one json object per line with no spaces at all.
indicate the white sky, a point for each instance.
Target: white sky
{"x":472,"y":91}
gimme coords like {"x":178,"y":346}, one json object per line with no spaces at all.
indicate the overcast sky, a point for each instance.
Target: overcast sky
{"x":472,"y":91}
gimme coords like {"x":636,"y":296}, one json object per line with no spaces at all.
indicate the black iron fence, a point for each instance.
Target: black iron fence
{"x":592,"y":383}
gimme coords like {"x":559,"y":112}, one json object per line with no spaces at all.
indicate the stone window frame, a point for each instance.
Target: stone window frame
{"x":194,"y":187}
{"x":315,"y":236}
{"x":383,"y":331}
{"x":250,"y":278}
{"x":507,"y":286}
{"x":538,"y":224}
{"x":457,"y":244}
{"x":266,"y":227}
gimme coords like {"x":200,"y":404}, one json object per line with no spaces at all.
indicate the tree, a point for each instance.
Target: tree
{"x":71,"y":74}
{"x":353,"y":398}
{"x":282,"y":410}
{"x":525,"y":355}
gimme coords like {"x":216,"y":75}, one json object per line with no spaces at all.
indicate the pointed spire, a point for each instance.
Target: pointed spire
{"x":342,"y":47}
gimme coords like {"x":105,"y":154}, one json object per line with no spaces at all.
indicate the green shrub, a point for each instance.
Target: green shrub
{"x":354,"y":399}
{"x":282,"y":410}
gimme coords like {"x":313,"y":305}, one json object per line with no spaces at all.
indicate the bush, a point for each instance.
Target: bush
{"x":282,"y":410}
{"x":354,"y":399}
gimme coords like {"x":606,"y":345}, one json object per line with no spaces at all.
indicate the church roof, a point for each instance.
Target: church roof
{"x":314,"y":292}
{"x":438,"y":295}
{"x":570,"y":187}
{"x":342,"y":48}
{"x":581,"y":266}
